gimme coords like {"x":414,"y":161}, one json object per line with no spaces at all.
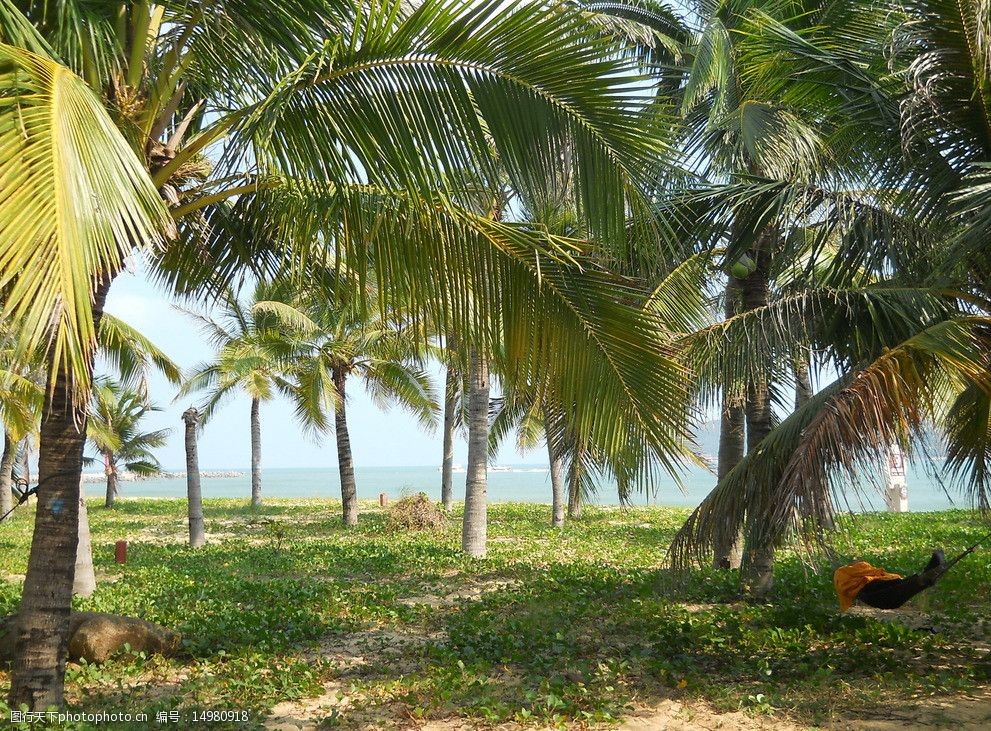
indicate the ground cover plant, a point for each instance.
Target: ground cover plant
{"x":557,"y":627}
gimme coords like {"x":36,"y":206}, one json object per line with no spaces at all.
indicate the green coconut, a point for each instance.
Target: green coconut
{"x":742,"y":267}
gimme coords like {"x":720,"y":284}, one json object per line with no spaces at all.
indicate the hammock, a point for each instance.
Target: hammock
{"x":882,"y":590}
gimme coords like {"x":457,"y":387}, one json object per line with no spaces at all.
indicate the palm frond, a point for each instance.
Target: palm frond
{"x":131,"y":354}
{"x":77,"y":199}
{"x":443,"y":85}
{"x":968,"y":444}
{"x":795,"y":478}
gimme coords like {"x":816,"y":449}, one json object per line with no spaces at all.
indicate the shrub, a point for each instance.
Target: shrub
{"x":415,"y":513}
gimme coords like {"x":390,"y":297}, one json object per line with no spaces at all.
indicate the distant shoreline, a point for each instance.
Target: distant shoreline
{"x":526,"y":483}
{"x":90,"y":477}
{"x":369,"y":505}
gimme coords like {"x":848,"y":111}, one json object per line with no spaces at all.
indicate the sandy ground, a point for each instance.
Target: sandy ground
{"x":962,"y":712}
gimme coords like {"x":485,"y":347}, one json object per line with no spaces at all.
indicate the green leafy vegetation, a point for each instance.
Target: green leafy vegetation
{"x":579,"y":625}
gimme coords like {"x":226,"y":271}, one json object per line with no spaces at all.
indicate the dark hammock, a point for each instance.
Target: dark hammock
{"x":893,"y":593}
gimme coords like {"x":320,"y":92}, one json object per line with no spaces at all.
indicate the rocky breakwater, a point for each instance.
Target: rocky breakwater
{"x":133,"y":477}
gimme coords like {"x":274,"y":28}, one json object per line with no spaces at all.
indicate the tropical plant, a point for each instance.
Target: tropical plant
{"x":335,"y":343}
{"x":901,"y":313}
{"x":474,"y":524}
{"x":114,"y":431}
{"x":194,"y":494}
{"x":131,"y":357}
{"x":252,"y":356}
{"x":140,"y":92}
{"x":737,"y":129}
{"x":21,"y":398}
{"x":531,"y":415}
{"x":454,"y":406}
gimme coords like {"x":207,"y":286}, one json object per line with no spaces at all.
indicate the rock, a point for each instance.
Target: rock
{"x":100,"y":477}
{"x":97,"y":636}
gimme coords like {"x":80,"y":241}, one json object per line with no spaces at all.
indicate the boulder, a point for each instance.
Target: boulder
{"x":96,"y":636}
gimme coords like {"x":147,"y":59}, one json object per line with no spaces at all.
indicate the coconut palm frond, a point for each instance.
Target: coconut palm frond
{"x":81,"y":200}
{"x":395,"y":381}
{"x":968,"y":444}
{"x":132,"y":355}
{"x":532,"y":89}
{"x":795,"y":478}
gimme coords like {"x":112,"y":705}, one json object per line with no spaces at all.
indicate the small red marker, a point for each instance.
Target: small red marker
{"x":120,"y":552}
{"x":383,"y":499}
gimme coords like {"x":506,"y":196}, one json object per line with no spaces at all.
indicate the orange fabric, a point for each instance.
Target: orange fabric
{"x":849,"y":580}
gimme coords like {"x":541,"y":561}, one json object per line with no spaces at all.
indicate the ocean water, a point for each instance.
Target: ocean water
{"x":523,"y":483}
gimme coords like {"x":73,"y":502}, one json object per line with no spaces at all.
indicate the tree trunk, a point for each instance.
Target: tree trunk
{"x":575,"y":487}
{"x":110,"y":470}
{"x":194,"y":494}
{"x":555,"y":457}
{"x":41,"y":634}
{"x":557,"y":487}
{"x":728,"y":550}
{"x":475,"y":526}
{"x":345,"y":462}
{"x":84,"y":581}
{"x":450,"y":409}
{"x":7,"y":474}
{"x":758,"y":559}
{"x":26,"y":460}
{"x":803,"y":380}
{"x":256,"y":455}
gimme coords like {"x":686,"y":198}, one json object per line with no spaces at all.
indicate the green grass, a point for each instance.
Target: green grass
{"x":554,"y":628}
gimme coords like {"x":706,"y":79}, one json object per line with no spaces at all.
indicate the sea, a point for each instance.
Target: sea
{"x":506,"y":483}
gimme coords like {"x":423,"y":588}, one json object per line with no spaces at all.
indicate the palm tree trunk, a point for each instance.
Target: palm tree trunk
{"x":450,"y":410}
{"x":758,"y":555}
{"x":7,"y":474}
{"x":41,"y":633}
{"x":557,"y":486}
{"x":26,"y":460}
{"x":84,"y":581}
{"x":728,"y":551}
{"x":345,"y":461}
{"x":111,"y":472}
{"x":803,"y":381}
{"x":575,"y":487}
{"x":555,"y":457}
{"x":194,"y":494}
{"x":475,"y":526}
{"x":256,"y":455}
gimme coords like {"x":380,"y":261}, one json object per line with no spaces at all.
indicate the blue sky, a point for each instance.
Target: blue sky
{"x":378,"y":438}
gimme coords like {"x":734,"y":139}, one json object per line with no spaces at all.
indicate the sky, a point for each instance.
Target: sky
{"x":379,"y":438}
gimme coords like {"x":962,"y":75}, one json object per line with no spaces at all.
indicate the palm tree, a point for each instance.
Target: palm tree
{"x":114,"y":431}
{"x":20,"y":406}
{"x":475,"y":522}
{"x":194,"y":495}
{"x":453,"y":405}
{"x":534,"y":416}
{"x":433,"y":104}
{"x":725,"y":115}
{"x":335,"y":343}
{"x":251,"y":356}
{"x":902,"y":310}
{"x":118,"y":404}
{"x":738,"y":125}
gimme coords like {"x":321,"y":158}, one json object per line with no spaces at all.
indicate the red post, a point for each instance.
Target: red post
{"x":383,"y":499}
{"x":120,"y":552}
